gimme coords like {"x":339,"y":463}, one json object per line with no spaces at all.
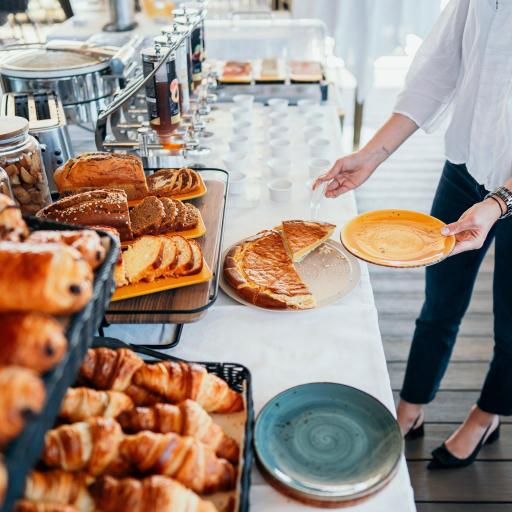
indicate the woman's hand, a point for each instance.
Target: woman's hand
{"x":472,"y":228}
{"x":350,"y":172}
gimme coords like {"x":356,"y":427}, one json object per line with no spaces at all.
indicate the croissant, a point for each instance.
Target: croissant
{"x":90,"y":446}
{"x":33,"y":506}
{"x":141,"y":396}
{"x":178,"y":381}
{"x":33,"y":340}
{"x":188,"y":419}
{"x":152,"y":494}
{"x":60,"y":487}
{"x":22,"y":394}
{"x":104,"y":368}
{"x":79,"y":404}
{"x":185,"y":459}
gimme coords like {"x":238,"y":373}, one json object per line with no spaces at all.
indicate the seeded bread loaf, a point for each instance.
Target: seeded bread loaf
{"x":98,"y":207}
{"x":91,"y":171}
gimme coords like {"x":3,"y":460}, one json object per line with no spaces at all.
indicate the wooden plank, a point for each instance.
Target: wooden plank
{"x":451,"y":406}
{"x":480,"y":482}
{"x":435,"y":435}
{"x":460,"y":375}
{"x":191,"y":297}
{"x":463,"y":507}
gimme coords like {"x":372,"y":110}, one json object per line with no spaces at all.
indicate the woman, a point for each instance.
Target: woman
{"x":465,"y":63}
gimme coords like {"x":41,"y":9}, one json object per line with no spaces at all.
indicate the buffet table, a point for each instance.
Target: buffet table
{"x":338,"y":343}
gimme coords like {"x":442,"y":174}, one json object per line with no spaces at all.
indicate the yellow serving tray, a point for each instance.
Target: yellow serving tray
{"x":200,"y":192}
{"x":162,"y":284}
{"x":198,"y":231}
{"x":397,"y":238}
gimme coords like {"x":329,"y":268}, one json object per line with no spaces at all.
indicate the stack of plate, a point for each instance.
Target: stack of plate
{"x":327,"y":444}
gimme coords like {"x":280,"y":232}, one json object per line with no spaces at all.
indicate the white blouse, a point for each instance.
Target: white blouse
{"x":466,"y":63}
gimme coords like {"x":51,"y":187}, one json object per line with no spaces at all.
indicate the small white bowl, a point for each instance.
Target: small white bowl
{"x":278,"y":132}
{"x":233,"y":161}
{"x":278,"y":118}
{"x":278,"y":104}
{"x":279,"y":167}
{"x":306,"y":104}
{"x":242,"y":128}
{"x":281,"y":190}
{"x":313,"y":132}
{"x":244,"y":100}
{"x":239,"y":144}
{"x":242,"y":114}
{"x":318,"y":166}
{"x":314,"y":118}
{"x":237,"y":183}
{"x":279,"y":147}
{"x":319,"y":147}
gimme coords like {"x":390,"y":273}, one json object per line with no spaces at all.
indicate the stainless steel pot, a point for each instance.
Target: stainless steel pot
{"x":82,"y":81}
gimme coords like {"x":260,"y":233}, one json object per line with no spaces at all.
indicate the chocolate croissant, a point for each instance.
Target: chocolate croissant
{"x":60,"y":487}
{"x":79,"y":404}
{"x":22,"y":394}
{"x":104,"y":368}
{"x":12,"y":226}
{"x":185,"y":459}
{"x":32,"y":340}
{"x":86,"y":241}
{"x":178,"y":381}
{"x":34,"y":506}
{"x":152,"y":494}
{"x":90,"y":446}
{"x":50,"y":278}
{"x":188,"y":419}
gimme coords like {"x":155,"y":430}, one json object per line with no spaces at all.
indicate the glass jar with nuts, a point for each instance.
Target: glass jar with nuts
{"x":20,"y":156}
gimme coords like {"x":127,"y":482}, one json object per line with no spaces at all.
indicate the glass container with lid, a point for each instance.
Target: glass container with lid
{"x":20,"y":156}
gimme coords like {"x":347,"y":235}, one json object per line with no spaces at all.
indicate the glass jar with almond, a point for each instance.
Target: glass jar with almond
{"x":20,"y":156}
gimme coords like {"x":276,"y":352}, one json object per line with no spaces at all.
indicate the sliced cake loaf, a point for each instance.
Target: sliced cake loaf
{"x":142,"y":258}
{"x":197,"y":254}
{"x":147,"y":217}
{"x":185,"y":260}
{"x":169,"y":256}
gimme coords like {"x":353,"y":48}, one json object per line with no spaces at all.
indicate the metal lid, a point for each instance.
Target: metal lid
{"x":161,"y":40}
{"x":12,"y":127}
{"x":47,"y":63}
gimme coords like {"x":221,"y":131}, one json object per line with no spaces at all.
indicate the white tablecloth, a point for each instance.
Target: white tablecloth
{"x":367,"y":29}
{"x":339,"y":343}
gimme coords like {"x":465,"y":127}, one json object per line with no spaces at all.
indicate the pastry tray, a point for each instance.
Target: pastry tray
{"x":189,"y":304}
{"x":239,"y":378}
{"x":23,"y":452}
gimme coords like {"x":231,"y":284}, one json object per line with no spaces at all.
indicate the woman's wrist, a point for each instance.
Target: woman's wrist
{"x":375,"y":155}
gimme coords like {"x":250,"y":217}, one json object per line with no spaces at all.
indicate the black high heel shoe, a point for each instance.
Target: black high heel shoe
{"x":444,"y":459}
{"x":416,"y":431}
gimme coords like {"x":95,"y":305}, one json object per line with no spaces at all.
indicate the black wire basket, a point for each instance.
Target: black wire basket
{"x":237,"y":376}
{"x":23,"y":452}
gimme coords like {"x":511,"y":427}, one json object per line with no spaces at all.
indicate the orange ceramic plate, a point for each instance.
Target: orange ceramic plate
{"x":200,"y":192}
{"x":160,"y":285}
{"x":397,"y":238}
{"x":198,"y":231}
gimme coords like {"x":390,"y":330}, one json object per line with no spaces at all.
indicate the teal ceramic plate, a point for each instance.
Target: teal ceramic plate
{"x":327,"y":442}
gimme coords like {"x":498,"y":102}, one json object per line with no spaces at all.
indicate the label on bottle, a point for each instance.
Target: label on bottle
{"x":174,"y":92}
{"x":197,"y":53}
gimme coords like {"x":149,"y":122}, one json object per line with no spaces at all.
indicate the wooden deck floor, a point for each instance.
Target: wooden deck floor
{"x":408,"y":180}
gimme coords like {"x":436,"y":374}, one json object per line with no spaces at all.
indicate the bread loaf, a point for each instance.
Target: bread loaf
{"x":99,"y":207}
{"x":172,"y":182}
{"x":91,"y":171}
{"x":147,"y":217}
{"x":142,"y":258}
{"x":50,"y":278}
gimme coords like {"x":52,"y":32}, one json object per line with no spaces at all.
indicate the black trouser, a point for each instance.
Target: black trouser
{"x":449,"y":285}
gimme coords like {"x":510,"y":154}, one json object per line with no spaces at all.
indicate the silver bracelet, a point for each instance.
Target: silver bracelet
{"x":505,"y":195}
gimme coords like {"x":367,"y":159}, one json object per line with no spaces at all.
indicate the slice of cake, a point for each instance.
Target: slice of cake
{"x":185,"y":260}
{"x":169,"y":256}
{"x":142,"y":258}
{"x":147,"y":217}
{"x":171,"y":213}
{"x":197,"y":258}
{"x":302,"y":237}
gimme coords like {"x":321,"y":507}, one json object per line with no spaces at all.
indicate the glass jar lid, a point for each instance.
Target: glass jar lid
{"x":12,"y":128}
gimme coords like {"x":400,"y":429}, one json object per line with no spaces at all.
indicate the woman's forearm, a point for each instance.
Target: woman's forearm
{"x":390,"y":136}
